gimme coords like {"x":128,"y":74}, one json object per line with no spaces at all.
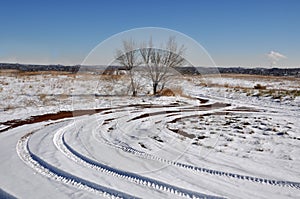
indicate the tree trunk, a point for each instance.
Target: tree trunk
{"x":134,"y":93}
{"x":155,"y":84}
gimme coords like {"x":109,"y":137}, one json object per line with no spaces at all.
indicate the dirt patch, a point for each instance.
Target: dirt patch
{"x":107,"y":121}
{"x":145,"y":115}
{"x":154,"y":105}
{"x":206,"y":107}
{"x":202,"y":101}
{"x":50,"y":116}
{"x":183,"y":133}
{"x":244,"y":109}
{"x":69,"y":114}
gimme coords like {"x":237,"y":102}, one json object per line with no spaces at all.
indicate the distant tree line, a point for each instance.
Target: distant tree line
{"x":188,"y":70}
{"x":33,"y":67}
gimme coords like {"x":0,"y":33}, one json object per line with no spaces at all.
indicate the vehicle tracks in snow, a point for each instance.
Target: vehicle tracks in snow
{"x":124,"y":147}
{"x":61,"y":144}
{"x":54,"y":173}
{"x":44,"y":168}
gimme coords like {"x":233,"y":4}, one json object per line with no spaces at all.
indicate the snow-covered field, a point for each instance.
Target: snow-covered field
{"x":75,"y":136}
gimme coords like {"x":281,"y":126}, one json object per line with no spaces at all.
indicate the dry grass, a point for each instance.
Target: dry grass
{"x":112,"y":77}
{"x":42,"y":97}
{"x":167,"y":92}
{"x":8,"y":71}
{"x":279,"y":94}
{"x":9,"y":107}
{"x":202,"y":81}
{"x":177,"y":91}
{"x":4,"y":83}
{"x":33,"y":73}
{"x":253,"y":77}
{"x":259,"y":86}
{"x":63,"y":96}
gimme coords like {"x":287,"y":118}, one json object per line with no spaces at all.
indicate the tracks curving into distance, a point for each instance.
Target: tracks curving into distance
{"x":124,"y":147}
{"x":141,"y":154}
{"x":61,"y":143}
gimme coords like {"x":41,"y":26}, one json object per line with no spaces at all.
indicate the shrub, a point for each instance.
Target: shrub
{"x":42,"y":97}
{"x":167,"y":92}
{"x":259,"y":86}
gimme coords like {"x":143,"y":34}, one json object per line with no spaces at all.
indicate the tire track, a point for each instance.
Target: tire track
{"x":56,"y":174}
{"x":124,"y":147}
{"x":61,"y":144}
{"x":48,"y":170}
{"x":5,"y":195}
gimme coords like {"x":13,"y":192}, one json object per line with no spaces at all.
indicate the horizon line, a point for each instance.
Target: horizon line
{"x":219,"y":66}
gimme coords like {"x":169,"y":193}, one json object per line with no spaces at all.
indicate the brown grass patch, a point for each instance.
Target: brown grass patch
{"x":259,"y":86}
{"x":32,"y":73}
{"x":42,"y":97}
{"x":173,"y":92}
{"x":167,"y":92}
{"x":247,"y":77}
{"x":63,"y":96}
{"x":111,"y":77}
{"x":253,"y":77}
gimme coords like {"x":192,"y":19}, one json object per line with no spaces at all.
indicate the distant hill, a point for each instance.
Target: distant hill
{"x":295,"y":72}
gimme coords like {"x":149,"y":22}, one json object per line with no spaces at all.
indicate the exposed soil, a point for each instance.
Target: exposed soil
{"x":69,"y":114}
{"x":181,"y":132}
{"x":50,"y":116}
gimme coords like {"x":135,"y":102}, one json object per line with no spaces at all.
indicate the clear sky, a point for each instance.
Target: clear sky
{"x":234,"y":32}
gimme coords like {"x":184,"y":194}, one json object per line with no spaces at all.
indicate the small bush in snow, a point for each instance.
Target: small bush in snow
{"x":259,"y":86}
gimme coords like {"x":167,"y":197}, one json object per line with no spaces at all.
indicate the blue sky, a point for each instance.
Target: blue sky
{"x":234,"y":32}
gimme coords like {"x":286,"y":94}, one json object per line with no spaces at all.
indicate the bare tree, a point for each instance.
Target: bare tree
{"x":128,"y":57}
{"x":160,"y":62}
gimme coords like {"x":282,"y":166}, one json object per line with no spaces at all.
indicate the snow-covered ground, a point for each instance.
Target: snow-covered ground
{"x":220,"y":139}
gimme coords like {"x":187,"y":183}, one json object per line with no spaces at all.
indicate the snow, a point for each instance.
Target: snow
{"x":232,"y":145}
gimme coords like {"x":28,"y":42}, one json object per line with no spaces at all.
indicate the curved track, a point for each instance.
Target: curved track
{"x":61,"y":144}
{"x":124,"y":147}
{"x":107,"y":153}
{"x":46,"y":169}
